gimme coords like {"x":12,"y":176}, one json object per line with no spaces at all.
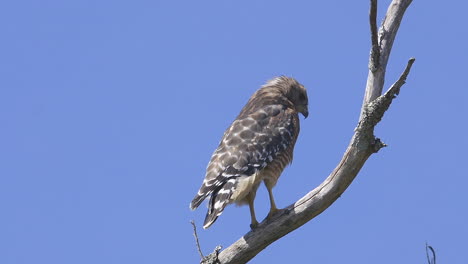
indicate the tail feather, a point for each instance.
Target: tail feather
{"x":209,"y":220}
{"x":218,"y":201}
{"x":205,"y":190}
{"x":199,"y":198}
{"x":215,"y":209}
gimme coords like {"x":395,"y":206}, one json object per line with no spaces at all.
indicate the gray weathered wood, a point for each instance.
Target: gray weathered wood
{"x":363,"y":144}
{"x":387,"y":33}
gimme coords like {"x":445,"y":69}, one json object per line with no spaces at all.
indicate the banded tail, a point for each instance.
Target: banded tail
{"x":219,"y":199}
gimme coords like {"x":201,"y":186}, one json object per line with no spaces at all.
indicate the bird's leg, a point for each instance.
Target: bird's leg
{"x":254,"y":222}
{"x":273,"y":208}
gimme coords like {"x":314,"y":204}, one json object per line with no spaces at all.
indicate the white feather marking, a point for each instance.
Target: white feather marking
{"x":218,"y":204}
{"x":222,"y":191}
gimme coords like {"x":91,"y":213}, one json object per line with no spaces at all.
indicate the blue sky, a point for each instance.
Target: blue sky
{"x":110,"y":111}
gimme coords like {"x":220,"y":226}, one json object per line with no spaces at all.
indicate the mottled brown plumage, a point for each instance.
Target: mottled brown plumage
{"x":257,"y":147}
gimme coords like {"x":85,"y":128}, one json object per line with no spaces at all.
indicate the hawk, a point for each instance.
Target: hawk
{"x":256,"y":148}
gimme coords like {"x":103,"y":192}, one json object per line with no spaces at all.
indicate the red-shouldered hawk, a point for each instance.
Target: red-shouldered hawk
{"x":256,"y":147}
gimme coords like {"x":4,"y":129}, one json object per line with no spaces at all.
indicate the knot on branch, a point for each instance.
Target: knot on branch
{"x":213,"y":257}
{"x":377,"y":145}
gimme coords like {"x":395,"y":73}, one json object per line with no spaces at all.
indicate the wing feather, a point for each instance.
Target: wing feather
{"x":248,"y":145}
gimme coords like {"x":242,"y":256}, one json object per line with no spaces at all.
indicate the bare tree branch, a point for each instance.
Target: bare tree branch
{"x":363,"y":144}
{"x":384,"y":101}
{"x":429,"y":260}
{"x":202,"y":257}
{"x":387,"y":33}
{"x":395,"y":88}
{"x":375,"y":50}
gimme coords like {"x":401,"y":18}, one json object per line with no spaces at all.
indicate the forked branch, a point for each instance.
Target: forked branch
{"x":363,"y":144}
{"x":386,"y":36}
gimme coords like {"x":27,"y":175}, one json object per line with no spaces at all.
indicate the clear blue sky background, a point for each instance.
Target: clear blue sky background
{"x":110,"y":110}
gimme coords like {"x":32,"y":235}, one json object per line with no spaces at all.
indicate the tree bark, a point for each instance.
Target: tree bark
{"x":363,"y":144}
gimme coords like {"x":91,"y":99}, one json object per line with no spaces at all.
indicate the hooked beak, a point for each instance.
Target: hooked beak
{"x":304,"y":111}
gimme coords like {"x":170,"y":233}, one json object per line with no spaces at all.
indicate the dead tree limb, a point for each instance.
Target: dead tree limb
{"x":386,"y":36}
{"x":363,"y":144}
{"x":430,"y":260}
{"x":195,"y":234}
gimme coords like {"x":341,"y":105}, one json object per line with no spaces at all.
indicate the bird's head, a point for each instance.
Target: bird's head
{"x":295,"y":92}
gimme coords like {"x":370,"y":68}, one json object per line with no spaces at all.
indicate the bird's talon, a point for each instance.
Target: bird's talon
{"x":253,"y":225}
